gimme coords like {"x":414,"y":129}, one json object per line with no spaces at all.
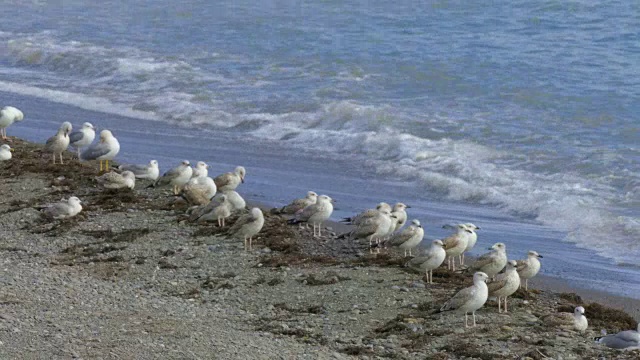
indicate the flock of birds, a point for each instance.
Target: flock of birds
{"x":215,"y":199}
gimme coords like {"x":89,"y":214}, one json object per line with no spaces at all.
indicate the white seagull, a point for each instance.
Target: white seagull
{"x":230,"y":180}
{"x":248,"y":226}
{"x":113,"y":180}
{"x":315,"y":214}
{"x":63,"y":209}
{"x":432,"y":259}
{"x":455,"y":244}
{"x":298,"y":204}
{"x":150,"y":171}
{"x":505,"y":284}
{"x":408,"y":238}
{"x":58,"y":143}
{"x":493,"y":262}
{"x":529,"y":267}
{"x":9,"y":115}
{"x":104,"y":150}
{"x":575,"y":321}
{"x":470,"y":299}
{"x":83,"y":137}
{"x":200,"y":170}
{"x":628,"y":339}
{"x":176,"y":177}
{"x":5,"y":152}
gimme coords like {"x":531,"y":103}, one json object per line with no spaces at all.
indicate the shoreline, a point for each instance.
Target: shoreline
{"x":142,"y":277}
{"x":274,"y":176}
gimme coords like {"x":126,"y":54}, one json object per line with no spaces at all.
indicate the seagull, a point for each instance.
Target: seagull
{"x":113,"y":180}
{"x":505,"y":284}
{"x":529,"y":267}
{"x":375,"y":227}
{"x":472,"y":238}
{"x":200,"y":170}
{"x":58,"y":143}
{"x":299,"y":204}
{"x":432,"y":259}
{"x":247,"y":226}
{"x":565,"y":320}
{"x":493,"y":262}
{"x":628,"y":339}
{"x":315,"y":214}
{"x":143,"y":172}
{"x":176,"y":177}
{"x":5,"y":152}
{"x":83,"y":137}
{"x":369,"y":213}
{"x":400,"y":212}
{"x":455,"y":244}
{"x":469,"y":299}
{"x":196,"y":193}
{"x":9,"y":115}
{"x":237,"y":202}
{"x":63,"y":209}
{"x":104,"y":150}
{"x":408,"y":238}
{"x":230,"y":180}
{"x":219,"y":208}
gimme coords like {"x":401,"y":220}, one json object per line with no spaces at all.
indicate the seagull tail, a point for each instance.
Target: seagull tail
{"x":347,"y":220}
{"x":293,"y":221}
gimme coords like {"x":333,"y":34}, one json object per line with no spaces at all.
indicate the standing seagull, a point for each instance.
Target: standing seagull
{"x":372,"y":228}
{"x":247,"y":226}
{"x":493,"y":262}
{"x":400,"y":212}
{"x":176,"y":177}
{"x":5,"y":152}
{"x":315,"y":214}
{"x":143,"y":172}
{"x":408,"y":238}
{"x":505,"y":284}
{"x":58,"y":143}
{"x":230,"y":180}
{"x":529,"y":267}
{"x":432,"y":259}
{"x":455,"y":244}
{"x":113,"y":180}
{"x":218,"y":209}
{"x":63,"y":209}
{"x":83,"y":137}
{"x":104,"y":150}
{"x":472,"y":238}
{"x":9,"y":115}
{"x":470,"y":299}
{"x":299,"y":204}
{"x":367,"y":214}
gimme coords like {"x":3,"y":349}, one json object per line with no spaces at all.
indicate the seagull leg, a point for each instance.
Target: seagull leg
{"x":61,"y":162}
{"x":250,"y":238}
{"x":320,"y":230}
{"x":54,"y":159}
{"x":474,"y":319}
{"x":526,"y":284}
{"x":78,"y":153}
{"x":410,"y":252}
{"x":505,"y":305}
{"x":245,"y":244}
{"x":466,"y":321}
{"x":100,"y":165}
{"x":499,"y":308}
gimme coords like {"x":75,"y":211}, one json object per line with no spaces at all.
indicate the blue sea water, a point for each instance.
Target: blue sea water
{"x":518,"y":116}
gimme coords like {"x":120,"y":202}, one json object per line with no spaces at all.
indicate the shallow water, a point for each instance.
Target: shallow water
{"x":517,"y":116}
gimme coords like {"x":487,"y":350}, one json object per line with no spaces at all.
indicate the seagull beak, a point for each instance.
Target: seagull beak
{"x":11,"y":150}
{"x":407,"y":206}
{"x":477,"y":228}
{"x":540,"y":256}
{"x":242,"y":179}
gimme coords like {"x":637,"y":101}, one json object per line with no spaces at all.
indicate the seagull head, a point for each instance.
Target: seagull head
{"x":533,"y":254}
{"x":578,"y":311}
{"x":438,"y":243}
{"x":416,"y":223}
{"x":186,"y":163}
{"x":480,"y":276}
{"x":240,"y":171}
{"x":311,"y":195}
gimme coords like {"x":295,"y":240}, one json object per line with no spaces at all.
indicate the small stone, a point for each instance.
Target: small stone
{"x":506,"y":328}
{"x":395,"y":287}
